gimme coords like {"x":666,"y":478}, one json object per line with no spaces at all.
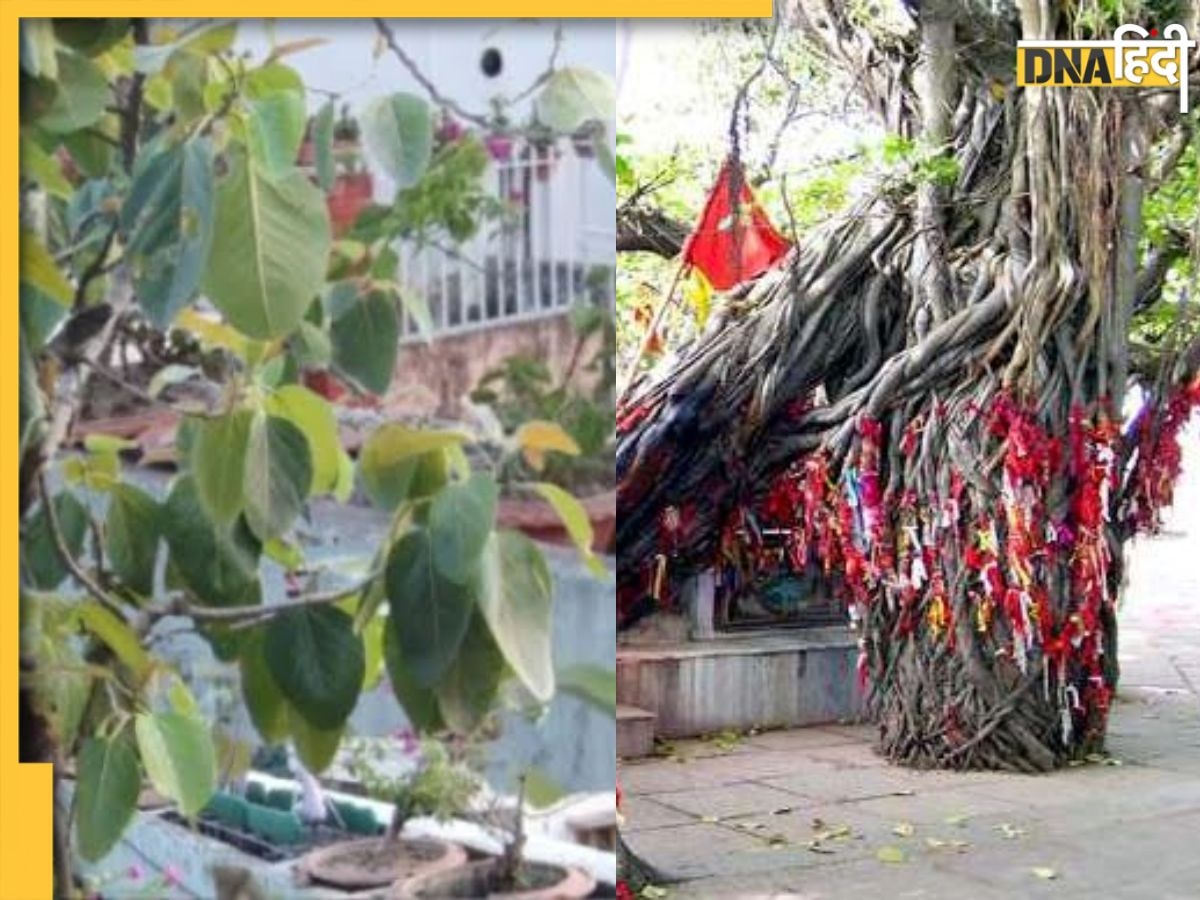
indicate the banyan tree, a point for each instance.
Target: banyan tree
{"x":937,"y":396}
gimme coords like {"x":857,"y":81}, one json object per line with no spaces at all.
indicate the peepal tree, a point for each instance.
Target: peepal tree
{"x":159,"y":182}
{"x":928,"y":394}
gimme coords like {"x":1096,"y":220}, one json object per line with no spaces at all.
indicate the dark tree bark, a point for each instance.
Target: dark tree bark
{"x":643,"y":228}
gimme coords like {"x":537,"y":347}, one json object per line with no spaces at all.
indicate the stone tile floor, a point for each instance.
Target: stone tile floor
{"x":737,"y":821}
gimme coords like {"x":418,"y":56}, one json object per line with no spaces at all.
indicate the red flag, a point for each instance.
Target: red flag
{"x":729,"y":252}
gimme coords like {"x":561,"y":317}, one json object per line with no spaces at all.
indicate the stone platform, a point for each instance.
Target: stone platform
{"x":781,"y":679}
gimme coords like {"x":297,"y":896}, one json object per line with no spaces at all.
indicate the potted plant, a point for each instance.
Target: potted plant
{"x":584,"y":139}
{"x":352,"y":187}
{"x":508,"y":875}
{"x":541,"y":149}
{"x":523,"y":388}
{"x":437,"y":787}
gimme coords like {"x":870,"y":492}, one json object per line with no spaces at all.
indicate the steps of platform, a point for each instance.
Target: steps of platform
{"x":635,"y":732}
{"x":765,"y":680}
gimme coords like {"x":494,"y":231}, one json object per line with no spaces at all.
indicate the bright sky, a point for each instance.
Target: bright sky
{"x":665,"y":94}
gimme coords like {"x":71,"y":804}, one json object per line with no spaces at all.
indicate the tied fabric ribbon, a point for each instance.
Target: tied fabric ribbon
{"x":733,"y":241}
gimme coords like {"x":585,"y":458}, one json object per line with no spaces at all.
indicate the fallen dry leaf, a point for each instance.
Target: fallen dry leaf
{"x":890,"y":854}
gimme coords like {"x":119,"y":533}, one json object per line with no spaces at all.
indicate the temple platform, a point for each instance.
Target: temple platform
{"x":777,"y":679}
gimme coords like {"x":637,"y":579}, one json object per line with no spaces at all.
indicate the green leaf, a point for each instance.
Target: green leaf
{"x":205,"y":40}
{"x":37,"y":48}
{"x":605,"y":158}
{"x":91,"y":150}
{"x":105,"y":796}
{"x":219,"y":565}
{"x":82,"y":95}
{"x":273,"y":78}
{"x":264,"y":702}
{"x":313,"y":415}
{"x":169,"y":376}
{"x":316,"y":747}
{"x":420,"y":704}
{"x":365,"y":339}
{"x":418,"y":311}
{"x":594,"y":684}
{"x":90,"y":36}
{"x":62,"y":682}
{"x":188,"y":75}
{"x":343,"y":487}
{"x":39,"y":270}
{"x":372,"y":636}
{"x":274,"y":130}
{"x":311,"y":346}
{"x":317,"y":661}
{"x":398,"y":131}
{"x":890,"y":854}
{"x":575,"y":518}
{"x":575,"y":96}
{"x":40,"y":166}
{"x":398,"y":462}
{"x":117,"y":634}
{"x":39,"y":317}
{"x":29,"y":406}
{"x":468,"y":689}
{"x":460,"y":519}
{"x":178,"y":754}
{"x":429,"y":613}
{"x":515,"y":598}
{"x":269,"y":250}
{"x":278,"y":475}
{"x":323,"y":145}
{"x":168,"y":217}
{"x":40,"y":562}
{"x":542,"y":791}
{"x":219,"y":463}
{"x":132,"y":531}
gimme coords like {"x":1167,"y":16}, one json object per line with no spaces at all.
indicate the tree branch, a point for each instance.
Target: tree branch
{"x":77,"y":571}
{"x":246,"y":616}
{"x":385,"y":31}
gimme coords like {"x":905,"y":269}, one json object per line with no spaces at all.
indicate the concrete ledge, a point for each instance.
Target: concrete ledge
{"x":635,"y":732}
{"x":775,"y":680}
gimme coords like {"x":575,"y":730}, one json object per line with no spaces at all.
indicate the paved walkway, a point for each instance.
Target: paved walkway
{"x":812,"y":813}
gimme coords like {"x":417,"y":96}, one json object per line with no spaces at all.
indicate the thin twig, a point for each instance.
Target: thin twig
{"x":246,"y":616}
{"x":64,"y":553}
{"x":437,"y":96}
{"x":548,"y":72}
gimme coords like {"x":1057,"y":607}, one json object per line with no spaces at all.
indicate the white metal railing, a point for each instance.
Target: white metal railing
{"x":551,"y":250}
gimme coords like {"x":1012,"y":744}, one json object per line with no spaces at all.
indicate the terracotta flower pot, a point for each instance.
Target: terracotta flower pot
{"x":546,"y":161}
{"x":358,"y":865}
{"x":499,"y":147}
{"x":477,"y":880}
{"x":350,"y":194}
{"x":540,"y":522}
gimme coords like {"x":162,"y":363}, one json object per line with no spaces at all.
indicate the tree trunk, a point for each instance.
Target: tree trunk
{"x":927,"y":400}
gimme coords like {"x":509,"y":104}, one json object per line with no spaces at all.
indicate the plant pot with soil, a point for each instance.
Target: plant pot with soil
{"x":508,"y":875}
{"x":353,"y":187}
{"x":439,"y":788}
{"x":488,"y":878}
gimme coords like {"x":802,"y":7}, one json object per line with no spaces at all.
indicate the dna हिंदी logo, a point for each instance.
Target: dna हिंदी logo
{"x":1134,"y":57}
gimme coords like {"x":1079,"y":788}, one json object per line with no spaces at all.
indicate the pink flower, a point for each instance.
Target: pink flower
{"x":172,"y":876}
{"x":134,"y":872}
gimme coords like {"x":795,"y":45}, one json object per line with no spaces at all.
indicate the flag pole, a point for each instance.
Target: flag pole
{"x":667,"y":301}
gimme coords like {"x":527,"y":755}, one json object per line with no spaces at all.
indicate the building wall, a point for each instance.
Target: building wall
{"x":449,"y":52}
{"x":433,"y":379}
